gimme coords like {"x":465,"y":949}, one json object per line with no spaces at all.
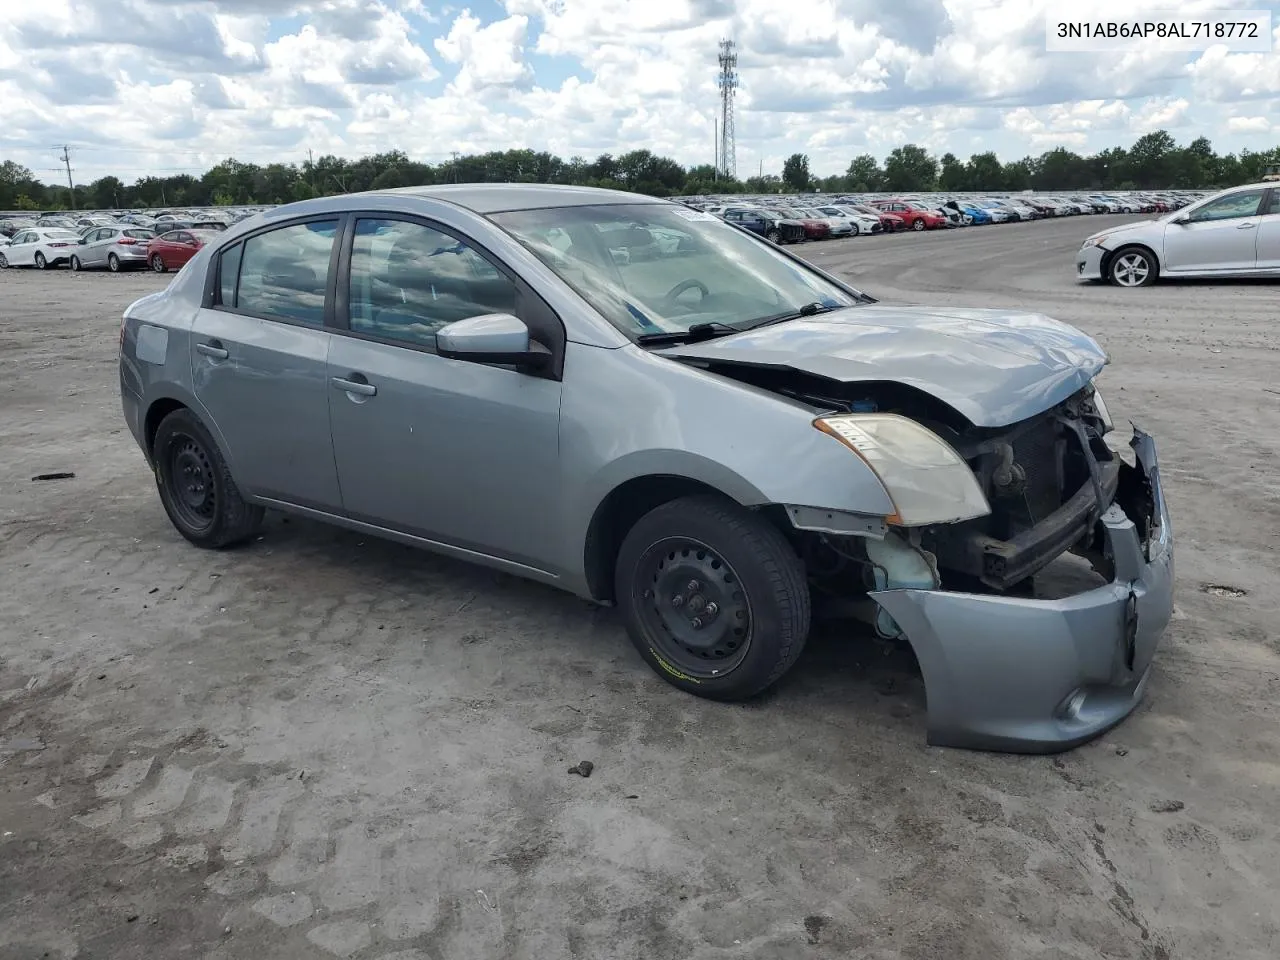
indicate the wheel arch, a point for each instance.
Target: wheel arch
{"x":618,"y":512}
{"x":1144,"y":247}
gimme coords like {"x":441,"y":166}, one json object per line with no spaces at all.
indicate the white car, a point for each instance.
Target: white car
{"x":858,"y":222}
{"x":1234,"y":233}
{"x":39,"y":247}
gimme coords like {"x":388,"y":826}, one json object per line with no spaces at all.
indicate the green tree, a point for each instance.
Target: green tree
{"x":909,"y":169}
{"x":985,"y":172}
{"x":795,"y":172}
{"x":864,"y":174}
{"x":1060,"y":169}
{"x":768,"y":183}
{"x":1017,"y":175}
{"x":1150,"y":159}
{"x":953,"y":176}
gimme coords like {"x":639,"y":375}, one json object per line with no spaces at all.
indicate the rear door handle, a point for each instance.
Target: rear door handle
{"x":1245,"y":226}
{"x":362,"y":388}
{"x":213,"y":350}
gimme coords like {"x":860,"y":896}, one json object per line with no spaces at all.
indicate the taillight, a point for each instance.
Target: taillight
{"x":127,"y":241}
{"x":59,"y":244}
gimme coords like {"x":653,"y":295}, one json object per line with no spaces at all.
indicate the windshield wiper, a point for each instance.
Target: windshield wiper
{"x":698,"y":331}
{"x":807,"y":310}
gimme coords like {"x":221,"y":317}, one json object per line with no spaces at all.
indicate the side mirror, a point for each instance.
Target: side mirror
{"x":82,"y":241}
{"x":491,"y":338}
{"x":1181,"y":220}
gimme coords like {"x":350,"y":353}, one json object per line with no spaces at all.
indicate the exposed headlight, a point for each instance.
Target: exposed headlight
{"x":1103,"y":413}
{"x":925,"y":478}
{"x":1094,"y":241}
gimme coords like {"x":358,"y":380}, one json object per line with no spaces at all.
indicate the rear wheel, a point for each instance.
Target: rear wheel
{"x":195,"y":485}
{"x":113,"y":263}
{"x":1133,"y":267}
{"x":40,"y":261}
{"x":75,"y":263}
{"x":713,"y":597}
{"x":157,"y":263}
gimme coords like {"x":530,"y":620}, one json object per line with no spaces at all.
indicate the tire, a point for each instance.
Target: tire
{"x":75,"y":264}
{"x":196,"y":487}
{"x":157,"y":264}
{"x":724,"y":563}
{"x":1133,"y":267}
{"x":917,"y":224}
{"x":40,"y":262}
{"x":774,"y":236}
{"x":855,"y":231}
{"x":113,"y":263}
{"x":4,"y":262}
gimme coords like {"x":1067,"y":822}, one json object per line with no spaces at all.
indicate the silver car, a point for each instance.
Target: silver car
{"x":704,"y":431}
{"x":1233,"y":233}
{"x":116,"y":248}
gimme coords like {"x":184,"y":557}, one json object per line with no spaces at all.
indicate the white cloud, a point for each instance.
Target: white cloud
{"x":488,"y":56}
{"x":1249,"y":124}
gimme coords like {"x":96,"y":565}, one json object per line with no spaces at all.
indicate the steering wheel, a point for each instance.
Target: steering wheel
{"x":684,"y":285}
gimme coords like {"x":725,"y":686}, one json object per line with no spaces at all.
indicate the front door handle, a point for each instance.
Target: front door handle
{"x":1245,"y":226}
{"x":213,"y":350}
{"x":362,"y":388}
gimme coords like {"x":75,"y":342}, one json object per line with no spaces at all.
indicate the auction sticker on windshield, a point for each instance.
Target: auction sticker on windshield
{"x":693,"y":214}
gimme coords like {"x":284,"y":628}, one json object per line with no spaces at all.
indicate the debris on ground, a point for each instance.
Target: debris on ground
{"x":582,"y":768}
{"x":53,"y":476}
{"x":1221,"y":590}
{"x":20,"y":744}
{"x":814,"y":925}
{"x":1167,"y":806}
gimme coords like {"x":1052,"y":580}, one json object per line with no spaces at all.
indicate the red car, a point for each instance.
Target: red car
{"x":915,"y":213}
{"x":889,"y":222}
{"x":171,"y":251}
{"x":813,"y":229}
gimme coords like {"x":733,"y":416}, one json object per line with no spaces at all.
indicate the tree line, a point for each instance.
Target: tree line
{"x":1153,"y":161}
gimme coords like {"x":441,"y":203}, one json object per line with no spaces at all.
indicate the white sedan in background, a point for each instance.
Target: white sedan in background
{"x":858,"y":222}
{"x":39,"y":247}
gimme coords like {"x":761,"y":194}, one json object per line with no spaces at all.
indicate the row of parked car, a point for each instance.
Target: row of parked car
{"x":794,"y":219}
{"x":115,"y":241}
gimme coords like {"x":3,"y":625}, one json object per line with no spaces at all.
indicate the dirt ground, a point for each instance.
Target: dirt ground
{"x":322,"y":745}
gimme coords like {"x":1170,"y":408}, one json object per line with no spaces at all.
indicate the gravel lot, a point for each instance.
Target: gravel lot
{"x":324,"y":745}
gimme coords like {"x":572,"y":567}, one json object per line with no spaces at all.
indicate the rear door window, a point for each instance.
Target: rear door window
{"x":284,"y":273}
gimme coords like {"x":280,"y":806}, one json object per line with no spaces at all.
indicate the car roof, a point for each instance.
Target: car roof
{"x":485,"y":198}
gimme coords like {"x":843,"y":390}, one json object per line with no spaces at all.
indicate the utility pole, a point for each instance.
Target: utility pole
{"x":66,"y":159}
{"x":715,"y":149}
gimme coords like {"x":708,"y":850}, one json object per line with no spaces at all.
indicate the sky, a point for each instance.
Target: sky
{"x":139,"y":87}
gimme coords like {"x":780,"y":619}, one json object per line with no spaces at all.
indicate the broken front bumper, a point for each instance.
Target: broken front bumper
{"x":1039,"y":676}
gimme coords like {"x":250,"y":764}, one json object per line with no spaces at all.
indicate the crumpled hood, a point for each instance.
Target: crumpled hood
{"x":994,"y":366}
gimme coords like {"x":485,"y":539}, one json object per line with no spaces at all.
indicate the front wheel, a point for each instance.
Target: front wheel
{"x":196,"y":487}
{"x":41,"y":262}
{"x":1133,"y":267}
{"x":713,"y":597}
{"x":917,"y":224}
{"x":157,"y":263}
{"x":855,"y":231}
{"x":774,"y":236}
{"x":113,"y":263}
{"x":75,"y":264}
{"x":4,"y":262}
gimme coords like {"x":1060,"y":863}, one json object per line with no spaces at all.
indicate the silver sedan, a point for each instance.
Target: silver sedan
{"x":638,"y":403}
{"x":1234,"y":233}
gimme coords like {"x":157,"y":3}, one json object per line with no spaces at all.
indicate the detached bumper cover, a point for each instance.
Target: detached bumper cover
{"x":1040,"y":676}
{"x":1089,"y":262}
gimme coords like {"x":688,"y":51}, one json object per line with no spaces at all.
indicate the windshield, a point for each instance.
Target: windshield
{"x":662,"y":268}
{"x":61,"y":235}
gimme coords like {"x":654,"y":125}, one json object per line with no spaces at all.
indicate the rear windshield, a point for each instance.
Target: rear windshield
{"x":203,"y":235}
{"x":60,"y":234}
{"x":139,"y":234}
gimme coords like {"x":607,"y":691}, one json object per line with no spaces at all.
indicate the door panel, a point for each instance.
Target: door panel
{"x":265,"y":381}
{"x":446,"y":449}
{"x":270,"y":400}
{"x":1268,"y":242}
{"x":1220,"y":235}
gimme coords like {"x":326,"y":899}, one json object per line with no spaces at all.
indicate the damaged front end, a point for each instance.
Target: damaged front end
{"x":1006,"y":667}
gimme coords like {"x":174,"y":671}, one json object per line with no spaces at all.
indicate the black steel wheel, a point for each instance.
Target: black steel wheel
{"x":695,"y":611}
{"x":713,"y":596}
{"x":196,"y":487}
